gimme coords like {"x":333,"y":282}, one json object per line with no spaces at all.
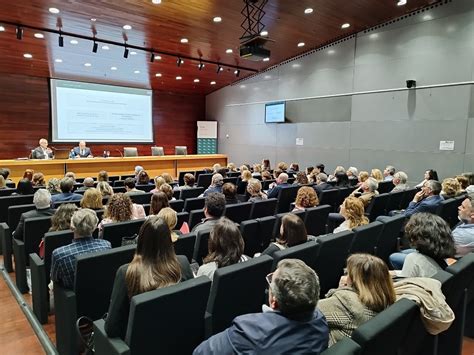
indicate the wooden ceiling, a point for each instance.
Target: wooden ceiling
{"x":162,"y":26}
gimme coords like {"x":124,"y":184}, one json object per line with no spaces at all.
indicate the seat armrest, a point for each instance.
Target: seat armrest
{"x":6,"y":241}
{"x":20,"y":265}
{"x":39,"y":288}
{"x":207,"y":325}
{"x":65,"y":310}
{"x":103,"y":345}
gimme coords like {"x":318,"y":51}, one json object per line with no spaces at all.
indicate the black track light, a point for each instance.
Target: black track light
{"x":179,"y":61}
{"x":61,"y":40}
{"x":237,"y":72}
{"x":19,"y":32}
{"x":95,"y":46}
{"x":201,"y":65}
{"x":125,"y":52}
{"x":152,"y":58}
{"x":219,"y":69}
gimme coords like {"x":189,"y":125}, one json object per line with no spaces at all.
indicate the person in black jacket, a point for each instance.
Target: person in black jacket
{"x":155,"y":265}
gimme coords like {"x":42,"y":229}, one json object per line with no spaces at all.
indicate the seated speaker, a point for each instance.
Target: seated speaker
{"x":180,"y":150}
{"x":157,"y":151}
{"x":130,"y":152}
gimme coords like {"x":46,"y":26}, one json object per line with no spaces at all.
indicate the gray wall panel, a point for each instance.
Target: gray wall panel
{"x":334,"y":109}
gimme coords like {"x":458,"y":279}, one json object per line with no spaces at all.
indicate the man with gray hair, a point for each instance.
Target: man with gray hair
{"x":426,"y":200}
{"x":281,"y":183}
{"x":400,"y":182}
{"x":216,"y":185}
{"x":388,"y":173}
{"x":367,"y":191}
{"x":83,"y":223}
{"x":322,"y":184}
{"x":42,"y":201}
{"x":290,"y":325}
{"x":88,"y":184}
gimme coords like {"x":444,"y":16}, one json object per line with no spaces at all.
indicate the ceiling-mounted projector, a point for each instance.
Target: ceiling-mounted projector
{"x":253,"y":49}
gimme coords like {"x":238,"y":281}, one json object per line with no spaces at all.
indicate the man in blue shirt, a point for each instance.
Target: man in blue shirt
{"x":291,"y":325}
{"x":463,"y":234}
{"x":427,"y":200}
{"x":63,"y":261}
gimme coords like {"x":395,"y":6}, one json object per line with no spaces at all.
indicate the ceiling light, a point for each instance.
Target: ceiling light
{"x":127,"y":27}
{"x":266,"y":77}
{"x":39,"y":35}
{"x":213,"y":83}
{"x":264,"y":33}
{"x":73,"y":41}
{"x":125,"y":52}
{"x":27,"y":55}
{"x":61,"y":40}
{"x":196,"y":80}
{"x":157,"y":57}
{"x":229,"y":51}
{"x":87,"y":64}
{"x":2,"y":29}
{"x":266,"y":59}
{"x":184,"y":40}
{"x":113,"y":68}
{"x":219,"y":69}
{"x":93,"y":19}
{"x":158,"y":75}
{"x":136,"y":72}
{"x":53,"y":10}
{"x":308,"y":11}
{"x":301,"y":44}
{"x":105,"y":48}
{"x":19,"y":32}
{"x":58,"y":60}
{"x":179,"y":78}
{"x":217,"y":19}
{"x":427,"y":17}
{"x":331,"y":51}
{"x":133,"y":53}
{"x":402,"y":2}
{"x":237,"y":72}
{"x":374,"y":36}
{"x":156,"y":2}
{"x":201,"y":65}
{"x":94,"y":47}
{"x":346,"y":25}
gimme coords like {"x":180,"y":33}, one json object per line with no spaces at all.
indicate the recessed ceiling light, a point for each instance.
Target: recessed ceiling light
{"x":264,"y":33}
{"x":374,"y":36}
{"x":346,"y":25}
{"x":331,"y":51}
{"x":113,"y":68}
{"x":308,"y":11}
{"x":266,"y":59}
{"x":127,"y":27}
{"x":184,"y":40}
{"x":53,"y":10}
{"x":301,"y":44}
{"x":267,"y":77}
{"x":136,"y":72}
{"x":427,"y":17}
{"x":105,"y":48}
{"x":158,"y":75}
{"x":2,"y":29}
{"x":157,"y":57}
{"x":27,"y":56}
{"x":296,"y":65}
{"x":217,"y":19}
{"x":196,"y":80}
{"x":87,"y":64}
{"x":156,"y":2}
{"x":93,"y":19}
{"x":39,"y":35}
{"x":229,"y":51}
{"x":133,"y":53}
{"x":58,"y":60}
{"x":73,"y":41}
{"x":402,"y":2}
{"x":213,"y":83}
{"x":242,"y":86}
{"x":179,"y":78}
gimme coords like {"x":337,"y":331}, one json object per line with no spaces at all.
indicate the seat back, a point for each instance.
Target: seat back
{"x":366,"y":237}
{"x":344,"y":192}
{"x":114,"y":232}
{"x":141,"y":198}
{"x":130,"y":152}
{"x":181,"y":176}
{"x":33,"y":232}
{"x":250,"y":233}
{"x":286,"y":196}
{"x":6,"y":192}
{"x":182,"y":217}
{"x":238,"y":212}
{"x":189,"y":193}
{"x":201,"y":246}
{"x":329,"y":197}
{"x":387,"y":330}
{"x":394,"y":201}
{"x":177,"y":205}
{"x":181,"y":150}
{"x":232,"y":180}
{"x":264,"y":208}
{"x":157,"y":151}
{"x":244,"y":282}
{"x":54,"y":240}
{"x":306,"y":252}
{"x":266,"y":184}
{"x":331,"y":259}
{"x":266,"y":227}
{"x":94,"y":279}
{"x":185,"y":245}
{"x":195,"y":217}
{"x":145,"y":187}
{"x":388,"y":239}
{"x":7,"y":201}
{"x":149,"y":334}
{"x":448,"y":210}
{"x":118,"y":183}
{"x":385,"y":187}
{"x":407,"y":197}
{"x":315,"y":219}
{"x":15,"y":212}
{"x":345,"y":346}
{"x":377,"y":206}
{"x":194,"y":203}
{"x":204,"y":180}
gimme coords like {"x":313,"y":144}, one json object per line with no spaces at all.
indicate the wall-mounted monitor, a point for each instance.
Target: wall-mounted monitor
{"x":275,"y":112}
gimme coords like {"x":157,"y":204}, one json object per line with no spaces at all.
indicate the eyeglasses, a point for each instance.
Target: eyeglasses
{"x":269,"y":278}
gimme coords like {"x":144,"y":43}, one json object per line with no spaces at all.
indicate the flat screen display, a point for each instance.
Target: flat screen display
{"x":275,"y":112}
{"x":100,"y":113}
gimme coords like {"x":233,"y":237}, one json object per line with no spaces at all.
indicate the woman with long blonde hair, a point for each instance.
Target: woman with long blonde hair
{"x":352,"y":209}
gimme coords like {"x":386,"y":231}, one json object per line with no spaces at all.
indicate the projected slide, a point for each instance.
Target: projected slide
{"x":100,"y":113}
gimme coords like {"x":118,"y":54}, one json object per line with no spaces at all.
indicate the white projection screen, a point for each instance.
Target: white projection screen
{"x":100,"y":113}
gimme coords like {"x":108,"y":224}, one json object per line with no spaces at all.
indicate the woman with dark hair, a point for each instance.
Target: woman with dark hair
{"x":24,"y":187}
{"x":266,"y":165}
{"x":61,"y":220}
{"x":226,"y":247}
{"x":301,"y":178}
{"x":143,"y":178}
{"x":155,"y":265}
{"x":429,"y":175}
{"x":38,"y":179}
{"x":230,"y":192}
{"x":28,"y":174}
{"x":103,"y":176}
{"x":431,"y":242}
{"x":292,"y":232}
{"x":342,"y":180}
{"x":365,"y":291}
{"x":158,"y":201}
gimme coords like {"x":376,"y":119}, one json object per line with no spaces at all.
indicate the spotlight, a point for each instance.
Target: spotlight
{"x":94,"y":47}
{"x":201,"y":65}
{"x":219,"y":69}
{"x":61,"y":40}
{"x":237,"y":73}
{"x":19,"y":32}
{"x":125,"y":52}
{"x":178,"y":62}
{"x":152,"y":58}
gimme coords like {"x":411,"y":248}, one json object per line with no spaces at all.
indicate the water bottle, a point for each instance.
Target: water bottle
{"x":71,"y":154}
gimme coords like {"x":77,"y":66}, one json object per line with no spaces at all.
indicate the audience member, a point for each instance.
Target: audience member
{"x":450,"y":188}
{"x":352,"y":209}
{"x":71,"y":175}
{"x":168,"y":179}
{"x":24,"y":187}
{"x":463,"y":234}
{"x":168,"y":190}
{"x":363,"y":175}
{"x":143,"y":178}
{"x":5,"y":172}
{"x":257,"y":170}
{"x":400,"y":181}
{"x":42,"y":201}
{"x":159,"y":200}
{"x":216,"y":167}
{"x":66,"y":185}
{"x":103,"y":176}
{"x":129,"y":184}
{"x":322,"y":184}
{"x":92,"y":199}
{"x":292,"y":232}
{"x":266,"y":175}
{"x":170,"y":216}
{"x":294,"y":168}
{"x":290,"y":325}
{"x":376,"y":174}
{"x":159,"y":181}
{"x":301,"y":178}
{"x":341,"y":179}
{"x":87,"y":184}
{"x":352,"y":173}
{"x":388,"y":173}
{"x":339,"y":170}
{"x":105,"y":189}
{"x":231,"y":167}
{"x":3,"y":183}
{"x":137,"y":170}
{"x":83,"y":223}
{"x":281,"y":183}
{"x":365,"y":291}
{"x":216,"y":185}
{"x":463,"y":182}
{"x":189,"y":181}
{"x":53,"y":186}
{"x":266,"y":165}
{"x":118,"y":209}
{"x":367,"y":191}
{"x":61,"y":219}
{"x":470,"y":188}
{"x":426,"y":200}
{"x":429,"y":175}
{"x":245,"y":176}
{"x":282,"y":166}
{"x":305,"y":198}
{"x":254,"y":190}
{"x":431,"y":242}
{"x":42,"y":152}
{"x":28,"y":174}
{"x":214,"y":207}
{"x":320,"y":169}
{"x":226,"y":247}
{"x":230,"y":192}
{"x":38,"y":180}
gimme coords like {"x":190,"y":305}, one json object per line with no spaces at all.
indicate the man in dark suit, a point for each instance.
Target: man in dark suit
{"x":81,"y":151}
{"x":42,"y":201}
{"x":427,"y":200}
{"x":66,"y":194}
{"x":281,"y":183}
{"x":321,"y":184}
{"x":42,"y":152}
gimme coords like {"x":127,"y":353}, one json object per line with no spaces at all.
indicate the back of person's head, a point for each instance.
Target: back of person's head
{"x":129,"y":182}
{"x":66,"y":184}
{"x":322,"y":177}
{"x":292,"y":230}
{"x":372,"y":184}
{"x":353,"y":211}
{"x":282,"y":166}
{"x":371,"y":280}
{"x":339,"y":169}
{"x":430,"y":235}
{"x":306,"y":197}
{"x":341,"y":179}
{"x":83,"y":222}
{"x":105,"y":189}
{"x":216,"y":167}
{"x":295,"y":167}
{"x":295,"y":288}
{"x":3,"y":183}
{"x":283,"y":178}
{"x":189,"y":179}
{"x":155,"y":264}
{"x":71,"y":175}
{"x":390,"y":169}
{"x":363,"y":175}
{"x":159,"y":200}
{"x":301,"y":178}
{"x":463,"y":181}
{"x":257,"y":168}
{"x":469,"y":175}
{"x":432,"y":175}
{"x":217,"y":180}
{"x":254,"y":187}
{"x":401,"y":176}
{"x":215,"y":204}
{"x":92,"y":199}
{"x":266,"y":175}
{"x":231,"y":167}
{"x":266,"y":164}
{"x":243,"y":167}
{"x":352,"y":171}
{"x":28,"y":174}
{"x":168,"y":190}
{"x":103,"y":176}
{"x":38,"y":179}
{"x":159,"y":181}
{"x":143,"y":178}
{"x":119,"y":208}
{"x":170,"y":216}
{"x":167,"y":177}
{"x":435,"y":186}
{"x":376,"y":174}
{"x":451,"y":187}
{"x":320,"y":167}
{"x":138,"y":168}
{"x":5,"y":172}
{"x":24,"y":187}
{"x":61,"y":220}
{"x":246,"y":175}
{"x":42,"y":199}
{"x":226,"y":244}
{"x":53,"y":185}
{"x":89,"y":182}
{"x":229,"y":190}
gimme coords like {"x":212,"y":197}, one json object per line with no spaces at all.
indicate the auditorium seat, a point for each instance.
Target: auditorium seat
{"x":377,"y":206}
{"x":264,"y":208}
{"x":190,"y":193}
{"x":385,"y":187}
{"x":91,"y":293}
{"x":394,"y":201}
{"x":285,"y":197}
{"x":6,"y":192}
{"x":118,"y":183}
{"x":157,"y":151}
{"x":329,"y":197}
{"x":238,"y":212}
{"x":306,"y":252}
{"x":345,"y":346}
{"x":171,"y":332}
{"x":195,"y":217}
{"x":201,"y":246}
{"x":365,"y":238}
{"x":232,"y":180}
{"x":243,"y":282}
{"x":181,"y":176}
{"x":143,"y":187}
{"x":448,"y":210}
{"x":194,"y":203}
{"x":266,"y":184}
{"x":177,"y":205}
{"x":115,"y":232}
{"x":130,"y":152}
{"x":407,"y":197}
{"x":7,"y":201}
{"x":181,"y":150}
{"x":315,"y":219}
{"x":252,"y":240}
{"x":182,"y":217}
{"x":141,"y":198}
{"x":185,"y":245}
{"x":389,"y":237}
{"x":266,"y":226}
{"x":15,"y":212}
{"x":204,"y":180}
{"x":7,"y":248}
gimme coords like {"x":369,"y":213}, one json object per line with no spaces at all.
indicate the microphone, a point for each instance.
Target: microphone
{"x":118,"y":150}
{"x":53,"y":148}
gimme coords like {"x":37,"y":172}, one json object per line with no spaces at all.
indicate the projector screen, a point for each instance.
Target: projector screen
{"x":100,"y":113}
{"x":275,"y":112}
